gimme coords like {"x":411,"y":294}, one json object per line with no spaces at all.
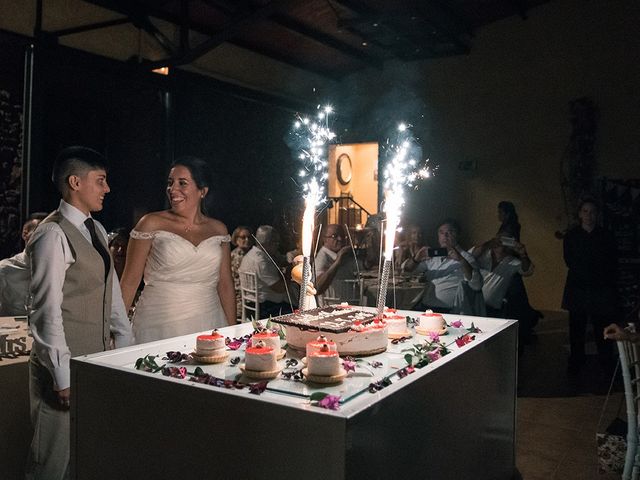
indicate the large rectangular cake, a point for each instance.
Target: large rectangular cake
{"x":335,"y":319}
{"x":355,"y":332}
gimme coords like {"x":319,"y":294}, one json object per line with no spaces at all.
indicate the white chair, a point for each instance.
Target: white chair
{"x":249,"y":292}
{"x":630,"y":366}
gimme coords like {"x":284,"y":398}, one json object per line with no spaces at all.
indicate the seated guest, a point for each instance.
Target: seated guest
{"x":499,"y":266}
{"x":272,"y":290}
{"x":242,"y":239}
{"x":15,"y":274}
{"x":410,"y":244}
{"x":334,"y":264}
{"x":454,"y":280}
{"x":509,"y":227}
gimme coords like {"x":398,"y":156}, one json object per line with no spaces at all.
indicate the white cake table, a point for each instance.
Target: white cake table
{"x":453,"y":418}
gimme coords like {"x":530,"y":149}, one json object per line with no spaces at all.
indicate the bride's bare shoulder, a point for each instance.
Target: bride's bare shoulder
{"x":152,"y":221}
{"x":216,"y":227}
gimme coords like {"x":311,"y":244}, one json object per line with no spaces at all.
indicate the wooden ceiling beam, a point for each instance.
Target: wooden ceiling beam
{"x":89,"y":27}
{"x":243,"y":20}
{"x":326,"y":40}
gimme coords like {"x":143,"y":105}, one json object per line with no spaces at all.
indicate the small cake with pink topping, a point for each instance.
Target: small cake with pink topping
{"x":324,"y":362}
{"x":260,"y":358}
{"x":317,"y":344}
{"x":269,"y":338}
{"x":210,"y":345}
{"x":396,"y":325}
{"x":431,"y":322}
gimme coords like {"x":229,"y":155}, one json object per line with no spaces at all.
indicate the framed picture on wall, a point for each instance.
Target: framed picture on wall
{"x":344,"y":169}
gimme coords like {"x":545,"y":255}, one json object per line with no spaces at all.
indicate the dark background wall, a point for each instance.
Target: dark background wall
{"x":11,"y":71}
{"x":143,"y":121}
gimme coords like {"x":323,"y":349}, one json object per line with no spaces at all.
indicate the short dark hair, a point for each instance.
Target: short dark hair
{"x":452,"y":222}
{"x":75,"y":160}
{"x":199,"y":170}
{"x":588,"y":199}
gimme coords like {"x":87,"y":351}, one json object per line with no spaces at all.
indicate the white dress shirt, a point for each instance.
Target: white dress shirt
{"x":446,"y":275}
{"x":14,"y":284}
{"x":50,"y":257}
{"x":256,"y":261}
{"x":496,"y":282}
{"x":339,"y":289}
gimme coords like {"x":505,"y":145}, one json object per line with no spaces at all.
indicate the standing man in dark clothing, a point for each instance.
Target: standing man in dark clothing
{"x":589,"y":293}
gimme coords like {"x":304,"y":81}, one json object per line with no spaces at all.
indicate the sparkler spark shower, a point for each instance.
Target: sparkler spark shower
{"x":312,"y":137}
{"x":400,"y":173}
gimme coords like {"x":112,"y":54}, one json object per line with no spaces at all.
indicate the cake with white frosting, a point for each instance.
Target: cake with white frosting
{"x":431,"y":322}
{"x":210,"y":345}
{"x":324,"y":362}
{"x":260,"y":358}
{"x":396,"y":324}
{"x":354,"y":331}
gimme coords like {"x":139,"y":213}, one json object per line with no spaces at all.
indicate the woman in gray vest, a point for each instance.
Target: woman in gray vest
{"x":77,"y":305}
{"x":185,"y":258}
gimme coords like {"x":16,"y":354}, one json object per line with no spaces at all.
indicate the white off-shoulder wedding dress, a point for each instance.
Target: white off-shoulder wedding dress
{"x":180,"y":293}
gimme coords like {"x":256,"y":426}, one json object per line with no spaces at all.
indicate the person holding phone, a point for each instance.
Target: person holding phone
{"x":452,"y":273}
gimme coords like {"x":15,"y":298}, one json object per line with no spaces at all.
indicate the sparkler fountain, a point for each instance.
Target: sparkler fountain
{"x":399,"y":173}
{"x":312,"y":138}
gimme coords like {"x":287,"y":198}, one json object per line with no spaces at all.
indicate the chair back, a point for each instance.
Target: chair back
{"x":348,"y":290}
{"x":630,"y":366}
{"x":249,"y":293}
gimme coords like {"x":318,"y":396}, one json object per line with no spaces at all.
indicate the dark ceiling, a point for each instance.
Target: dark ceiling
{"x":329,"y":37}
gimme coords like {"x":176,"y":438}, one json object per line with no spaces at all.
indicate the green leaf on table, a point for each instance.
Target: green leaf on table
{"x":317,"y":396}
{"x":408,"y":358}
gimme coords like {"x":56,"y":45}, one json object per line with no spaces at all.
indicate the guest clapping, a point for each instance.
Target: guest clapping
{"x":185,"y":258}
{"x":500,"y":265}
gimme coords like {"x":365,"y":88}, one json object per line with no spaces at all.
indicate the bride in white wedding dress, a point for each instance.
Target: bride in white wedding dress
{"x":185,"y":258}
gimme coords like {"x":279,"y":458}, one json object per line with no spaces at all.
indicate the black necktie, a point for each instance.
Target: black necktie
{"x":97,"y":244}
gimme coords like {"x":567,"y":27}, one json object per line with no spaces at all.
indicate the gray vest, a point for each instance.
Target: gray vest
{"x":86,"y":304}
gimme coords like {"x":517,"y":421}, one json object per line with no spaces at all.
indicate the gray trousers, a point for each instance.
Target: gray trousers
{"x":49,"y":452}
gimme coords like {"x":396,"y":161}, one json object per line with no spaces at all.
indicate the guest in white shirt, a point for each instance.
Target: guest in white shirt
{"x":334,"y":264}
{"x":272,"y":290}
{"x":77,"y":305}
{"x":15,"y":274}
{"x":453,"y":278}
{"x":499,"y":266}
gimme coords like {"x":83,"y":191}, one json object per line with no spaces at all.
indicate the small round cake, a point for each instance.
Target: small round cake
{"x":317,"y":344}
{"x":324,"y":362}
{"x":431,"y":322}
{"x":396,"y":325}
{"x":260,"y":358}
{"x":269,"y":338}
{"x":210,"y":345}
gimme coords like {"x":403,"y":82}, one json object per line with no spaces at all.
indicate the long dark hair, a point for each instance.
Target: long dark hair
{"x":200,"y":173}
{"x":510,"y":225}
